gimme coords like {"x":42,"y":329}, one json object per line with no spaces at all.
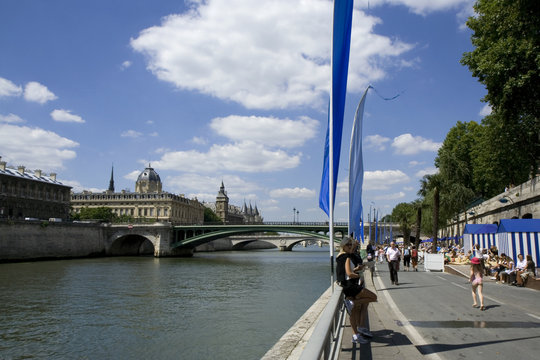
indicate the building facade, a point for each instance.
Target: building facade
{"x":28,"y":194}
{"x":231,"y":214}
{"x":148,"y":202}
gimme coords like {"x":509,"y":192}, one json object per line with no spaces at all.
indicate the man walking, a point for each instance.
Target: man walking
{"x":393,"y":255}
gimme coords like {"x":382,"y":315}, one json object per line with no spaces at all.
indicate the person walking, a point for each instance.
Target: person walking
{"x":414,"y":258}
{"x":406,"y":258}
{"x":476,"y":280}
{"x":393,"y":256}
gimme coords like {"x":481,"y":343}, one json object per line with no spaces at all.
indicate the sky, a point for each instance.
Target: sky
{"x":234,"y":91}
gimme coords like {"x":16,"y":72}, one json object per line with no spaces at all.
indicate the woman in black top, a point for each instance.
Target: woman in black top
{"x":354,"y":290}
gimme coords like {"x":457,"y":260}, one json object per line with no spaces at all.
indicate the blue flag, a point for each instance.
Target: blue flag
{"x":356,"y":171}
{"x":341,"y":41}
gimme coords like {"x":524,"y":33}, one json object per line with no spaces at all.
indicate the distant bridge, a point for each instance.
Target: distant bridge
{"x":191,"y":236}
{"x":181,"y":240}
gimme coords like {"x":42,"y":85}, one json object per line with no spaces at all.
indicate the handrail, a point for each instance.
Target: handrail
{"x":326,"y":337}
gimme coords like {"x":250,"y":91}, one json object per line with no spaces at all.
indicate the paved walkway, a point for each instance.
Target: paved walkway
{"x":509,"y":309}
{"x":389,"y":341}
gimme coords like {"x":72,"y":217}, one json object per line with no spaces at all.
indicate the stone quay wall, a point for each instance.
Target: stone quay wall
{"x":42,"y":240}
{"x":24,"y":240}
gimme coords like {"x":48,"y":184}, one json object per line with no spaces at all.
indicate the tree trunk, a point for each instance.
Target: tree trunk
{"x":418,"y":226}
{"x":435,"y":219}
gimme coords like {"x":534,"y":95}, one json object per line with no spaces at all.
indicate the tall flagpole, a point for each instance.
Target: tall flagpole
{"x":331,"y":156}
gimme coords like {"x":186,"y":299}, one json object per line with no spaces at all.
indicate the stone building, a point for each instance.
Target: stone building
{"x":231,"y":214}
{"x":148,"y":201}
{"x":28,"y":194}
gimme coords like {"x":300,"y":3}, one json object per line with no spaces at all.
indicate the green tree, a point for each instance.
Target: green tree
{"x":404,"y":214}
{"x":501,"y":155}
{"x":100,"y":213}
{"x":506,"y":59}
{"x":210,"y":217}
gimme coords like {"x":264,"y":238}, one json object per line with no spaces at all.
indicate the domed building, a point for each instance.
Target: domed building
{"x":148,"y":201}
{"x":148,"y":181}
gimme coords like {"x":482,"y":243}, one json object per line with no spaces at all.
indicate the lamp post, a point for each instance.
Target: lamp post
{"x":298,"y":216}
{"x":504,"y":199}
{"x":293,"y":215}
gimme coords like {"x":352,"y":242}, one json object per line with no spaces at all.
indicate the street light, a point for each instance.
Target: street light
{"x":298,"y":216}
{"x":505,"y":199}
{"x":293,"y":215}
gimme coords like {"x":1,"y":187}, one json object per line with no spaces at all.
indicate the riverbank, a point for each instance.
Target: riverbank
{"x":43,"y":240}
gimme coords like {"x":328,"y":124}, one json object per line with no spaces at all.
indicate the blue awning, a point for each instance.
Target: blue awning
{"x":519,"y":225}
{"x":480,"y":229}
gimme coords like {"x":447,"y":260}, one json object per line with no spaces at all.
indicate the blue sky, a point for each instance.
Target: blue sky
{"x":232,"y":90}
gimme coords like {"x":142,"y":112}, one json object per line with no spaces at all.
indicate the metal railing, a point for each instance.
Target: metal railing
{"x":325,"y":340}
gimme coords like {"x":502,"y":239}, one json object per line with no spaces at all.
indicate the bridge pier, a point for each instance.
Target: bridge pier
{"x":284,"y":248}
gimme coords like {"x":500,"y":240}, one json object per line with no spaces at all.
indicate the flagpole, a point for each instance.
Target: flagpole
{"x":331,"y":157}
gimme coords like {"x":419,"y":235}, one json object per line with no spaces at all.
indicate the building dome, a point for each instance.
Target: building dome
{"x":149,"y":174}
{"x":148,"y":181}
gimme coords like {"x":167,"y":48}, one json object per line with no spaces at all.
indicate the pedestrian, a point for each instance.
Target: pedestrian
{"x":406,"y":258}
{"x":370,"y":256}
{"x":414,"y":258}
{"x":393,"y":256}
{"x":476,"y":280}
{"x":357,"y":297}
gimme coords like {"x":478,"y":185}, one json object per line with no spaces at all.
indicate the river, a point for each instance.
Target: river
{"x":221,"y":305}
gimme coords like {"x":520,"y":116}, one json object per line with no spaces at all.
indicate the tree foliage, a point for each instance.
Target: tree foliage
{"x":99,"y":213}
{"x":210,"y":217}
{"x":405,"y":215}
{"x":506,"y":59}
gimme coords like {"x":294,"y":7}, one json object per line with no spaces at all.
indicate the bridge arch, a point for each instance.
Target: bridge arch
{"x":131,"y":245}
{"x":219,"y":232}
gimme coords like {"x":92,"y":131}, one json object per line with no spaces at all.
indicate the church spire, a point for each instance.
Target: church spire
{"x":111,"y":182}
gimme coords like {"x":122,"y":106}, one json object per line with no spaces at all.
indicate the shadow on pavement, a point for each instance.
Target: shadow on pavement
{"x":437,"y":348}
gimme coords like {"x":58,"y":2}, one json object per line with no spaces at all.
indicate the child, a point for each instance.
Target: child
{"x":476,"y":280}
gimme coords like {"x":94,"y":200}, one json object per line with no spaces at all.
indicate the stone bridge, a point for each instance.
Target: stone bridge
{"x":168,"y":240}
{"x":282,"y":242}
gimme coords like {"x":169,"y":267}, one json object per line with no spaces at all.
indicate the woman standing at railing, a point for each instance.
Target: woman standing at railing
{"x":357,"y":297}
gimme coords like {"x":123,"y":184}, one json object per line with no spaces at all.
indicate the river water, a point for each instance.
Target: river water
{"x":222,"y":305}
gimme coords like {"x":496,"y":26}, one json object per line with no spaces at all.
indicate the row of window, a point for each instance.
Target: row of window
{"x":127,"y":197}
{"x":33,"y":190}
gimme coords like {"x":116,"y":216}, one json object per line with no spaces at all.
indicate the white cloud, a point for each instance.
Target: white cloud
{"x":238,"y":189}
{"x":132,"y":175}
{"x":376,"y":142}
{"x":10,"y":119}
{"x":406,"y":144}
{"x":414,"y":163}
{"x":37,"y":92}
{"x":66,"y":116}
{"x":246,"y":156}
{"x":393,"y":196}
{"x":428,"y":171}
{"x":7,"y":88}
{"x":42,"y":149}
{"x":383,"y":179}
{"x":126,"y":64}
{"x":266,"y":130}
{"x":292,"y":193}
{"x":199,"y":140}
{"x":260,"y":53}
{"x":154,"y":134}
{"x":423,"y":7}
{"x":78,"y":187}
{"x":486,"y":110}
{"x":131,"y":133}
